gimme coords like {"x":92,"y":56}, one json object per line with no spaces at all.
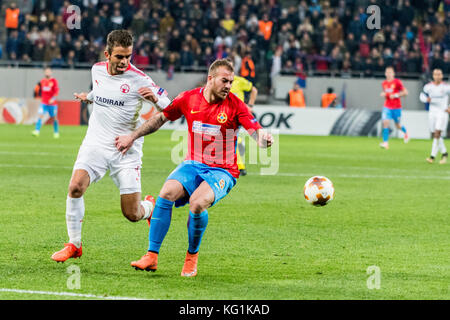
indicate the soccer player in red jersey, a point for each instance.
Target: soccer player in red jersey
{"x":49,"y":90}
{"x":210,"y":170}
{"x":393,"y":90}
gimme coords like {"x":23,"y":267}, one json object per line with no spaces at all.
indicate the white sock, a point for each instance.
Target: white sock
{"x":148,"y":209}
{"x":442,"y":147}
{"x":435,"y":147}
{"x":74,"y":219}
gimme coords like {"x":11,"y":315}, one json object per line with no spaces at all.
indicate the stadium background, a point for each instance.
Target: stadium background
{"x":318,"y":44}
{"x":292,"y":250}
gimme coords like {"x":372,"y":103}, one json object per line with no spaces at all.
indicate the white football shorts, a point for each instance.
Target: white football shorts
{"x":125,"y":170}
{"x":438,"y":121}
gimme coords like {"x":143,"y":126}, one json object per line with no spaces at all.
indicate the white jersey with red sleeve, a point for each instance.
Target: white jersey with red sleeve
{"x":117,"y":104}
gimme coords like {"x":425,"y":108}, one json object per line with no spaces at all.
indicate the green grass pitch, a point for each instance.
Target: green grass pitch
{"x":263,"y":240}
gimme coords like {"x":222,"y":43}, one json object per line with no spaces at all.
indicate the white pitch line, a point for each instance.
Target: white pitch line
{"x":68,"y":294}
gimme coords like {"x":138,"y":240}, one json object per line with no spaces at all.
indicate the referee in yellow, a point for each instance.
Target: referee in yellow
{"x":239,"y":87}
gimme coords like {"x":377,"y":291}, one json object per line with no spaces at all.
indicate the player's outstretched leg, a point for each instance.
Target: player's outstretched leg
{"x":159,"y":226}
{"x":435,"y":147}
{"x":201,"y":199}
{"x":406,"y":137}
{"x":37,"y":129}
{"x":196,"y":225}
{"x":160,"y":223}
{"x":444,"y":158}
{"x":74,"y":216}
{"x":136,"y":210}
{"x":385,"y":143}
{"x":55,"y":129}
{"x":443,"y":151}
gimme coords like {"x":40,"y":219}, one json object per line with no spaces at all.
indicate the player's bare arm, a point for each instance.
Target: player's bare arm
{"x":148,"y":94}
{"x":83,"y":96}
{"x":124,"y":143}
{"x":263,"y":138}
{"x":403,"y":93}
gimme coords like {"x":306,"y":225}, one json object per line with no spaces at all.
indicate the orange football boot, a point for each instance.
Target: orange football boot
{"x":190,"y":265}
{"x":69,"y":251}
{"x":148,"y":262}
{"x":152,"y":200}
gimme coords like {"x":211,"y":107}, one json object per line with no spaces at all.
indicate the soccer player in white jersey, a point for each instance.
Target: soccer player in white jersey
{"x":436,"y":95}
{"x":118,"y":92}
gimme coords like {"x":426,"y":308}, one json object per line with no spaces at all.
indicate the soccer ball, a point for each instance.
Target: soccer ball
{"x":318,"y":191}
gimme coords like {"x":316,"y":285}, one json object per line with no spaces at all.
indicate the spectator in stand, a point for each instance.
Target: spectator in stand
{"x":322,"y":61}
{"x":228,"y":23}
{"x":174,"y":42}
{"x":319,"y":34}
{"x":52,"y":51}
{"x":437,"y":62}
{"x":446,"y":68}
{"x":186,"y":57}
{"x":265,"y":27}
{"x":364,"y":47}
{"x":12,"y":45}
{"x":248,"y":67}
{"x":141,"y":59}
{"x":335,"y":32}
{"x":167,"y":22}
{"x":413,"y":63}
{"x":156,"y":58}
{"x":12,"y":18}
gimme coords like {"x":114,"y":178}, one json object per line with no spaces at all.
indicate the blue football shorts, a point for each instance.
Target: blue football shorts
{"x":391,"y":114}
{"x":51,"y":110}
{"x":192,"y":173}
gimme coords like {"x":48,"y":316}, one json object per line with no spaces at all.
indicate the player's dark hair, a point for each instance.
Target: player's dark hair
{"x":119,"y":38}
{"x":220,"y":63}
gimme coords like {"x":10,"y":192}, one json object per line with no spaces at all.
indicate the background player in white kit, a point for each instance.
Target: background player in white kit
{"x":118,"y":92}
{"x":436,"y":94}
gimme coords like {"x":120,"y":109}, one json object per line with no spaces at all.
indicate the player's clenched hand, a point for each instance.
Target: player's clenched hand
{"x":148,"y":94}
{"x":124,"y":143}
{"x":82,"y":97}
{"x":265,"y":139}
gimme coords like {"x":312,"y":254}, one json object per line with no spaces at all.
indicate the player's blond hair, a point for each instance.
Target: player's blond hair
{"x":220,"y":63}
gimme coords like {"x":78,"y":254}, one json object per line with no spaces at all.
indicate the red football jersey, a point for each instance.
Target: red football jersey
{"x":390,"y":88}
{"x":212,"y":127}
{"x":49,"y":89}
